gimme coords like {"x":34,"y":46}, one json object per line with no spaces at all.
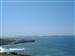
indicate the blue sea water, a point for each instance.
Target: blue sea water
{"x":49,"y":46}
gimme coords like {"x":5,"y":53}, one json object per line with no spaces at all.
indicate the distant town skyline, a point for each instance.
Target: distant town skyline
{"x":37,"y":18}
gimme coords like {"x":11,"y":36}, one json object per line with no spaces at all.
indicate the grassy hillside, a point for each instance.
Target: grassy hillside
{"x":4,"y":54}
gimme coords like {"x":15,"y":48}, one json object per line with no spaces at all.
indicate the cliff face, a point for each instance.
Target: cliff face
{"x":13,"y":41}
{"x":5,"y":41}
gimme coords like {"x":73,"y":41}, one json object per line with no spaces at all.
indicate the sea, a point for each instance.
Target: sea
{"x":48,"y":46}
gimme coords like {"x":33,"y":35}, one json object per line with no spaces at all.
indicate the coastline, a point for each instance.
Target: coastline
{"x":13,"y":54}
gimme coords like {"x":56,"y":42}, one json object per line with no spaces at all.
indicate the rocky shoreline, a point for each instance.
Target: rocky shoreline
{"x":13,"y":54}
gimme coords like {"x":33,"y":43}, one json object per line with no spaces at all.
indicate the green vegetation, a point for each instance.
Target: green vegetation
{"x":4,"y":54}
{"x":13,"y":54}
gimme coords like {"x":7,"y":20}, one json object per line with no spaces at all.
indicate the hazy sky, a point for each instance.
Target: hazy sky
{"x":37,"y":17}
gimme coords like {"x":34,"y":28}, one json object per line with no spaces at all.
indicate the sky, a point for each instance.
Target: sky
{"x":40,"y":17}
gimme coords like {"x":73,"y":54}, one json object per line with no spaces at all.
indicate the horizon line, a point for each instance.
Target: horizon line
{"x":36,"y":35}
